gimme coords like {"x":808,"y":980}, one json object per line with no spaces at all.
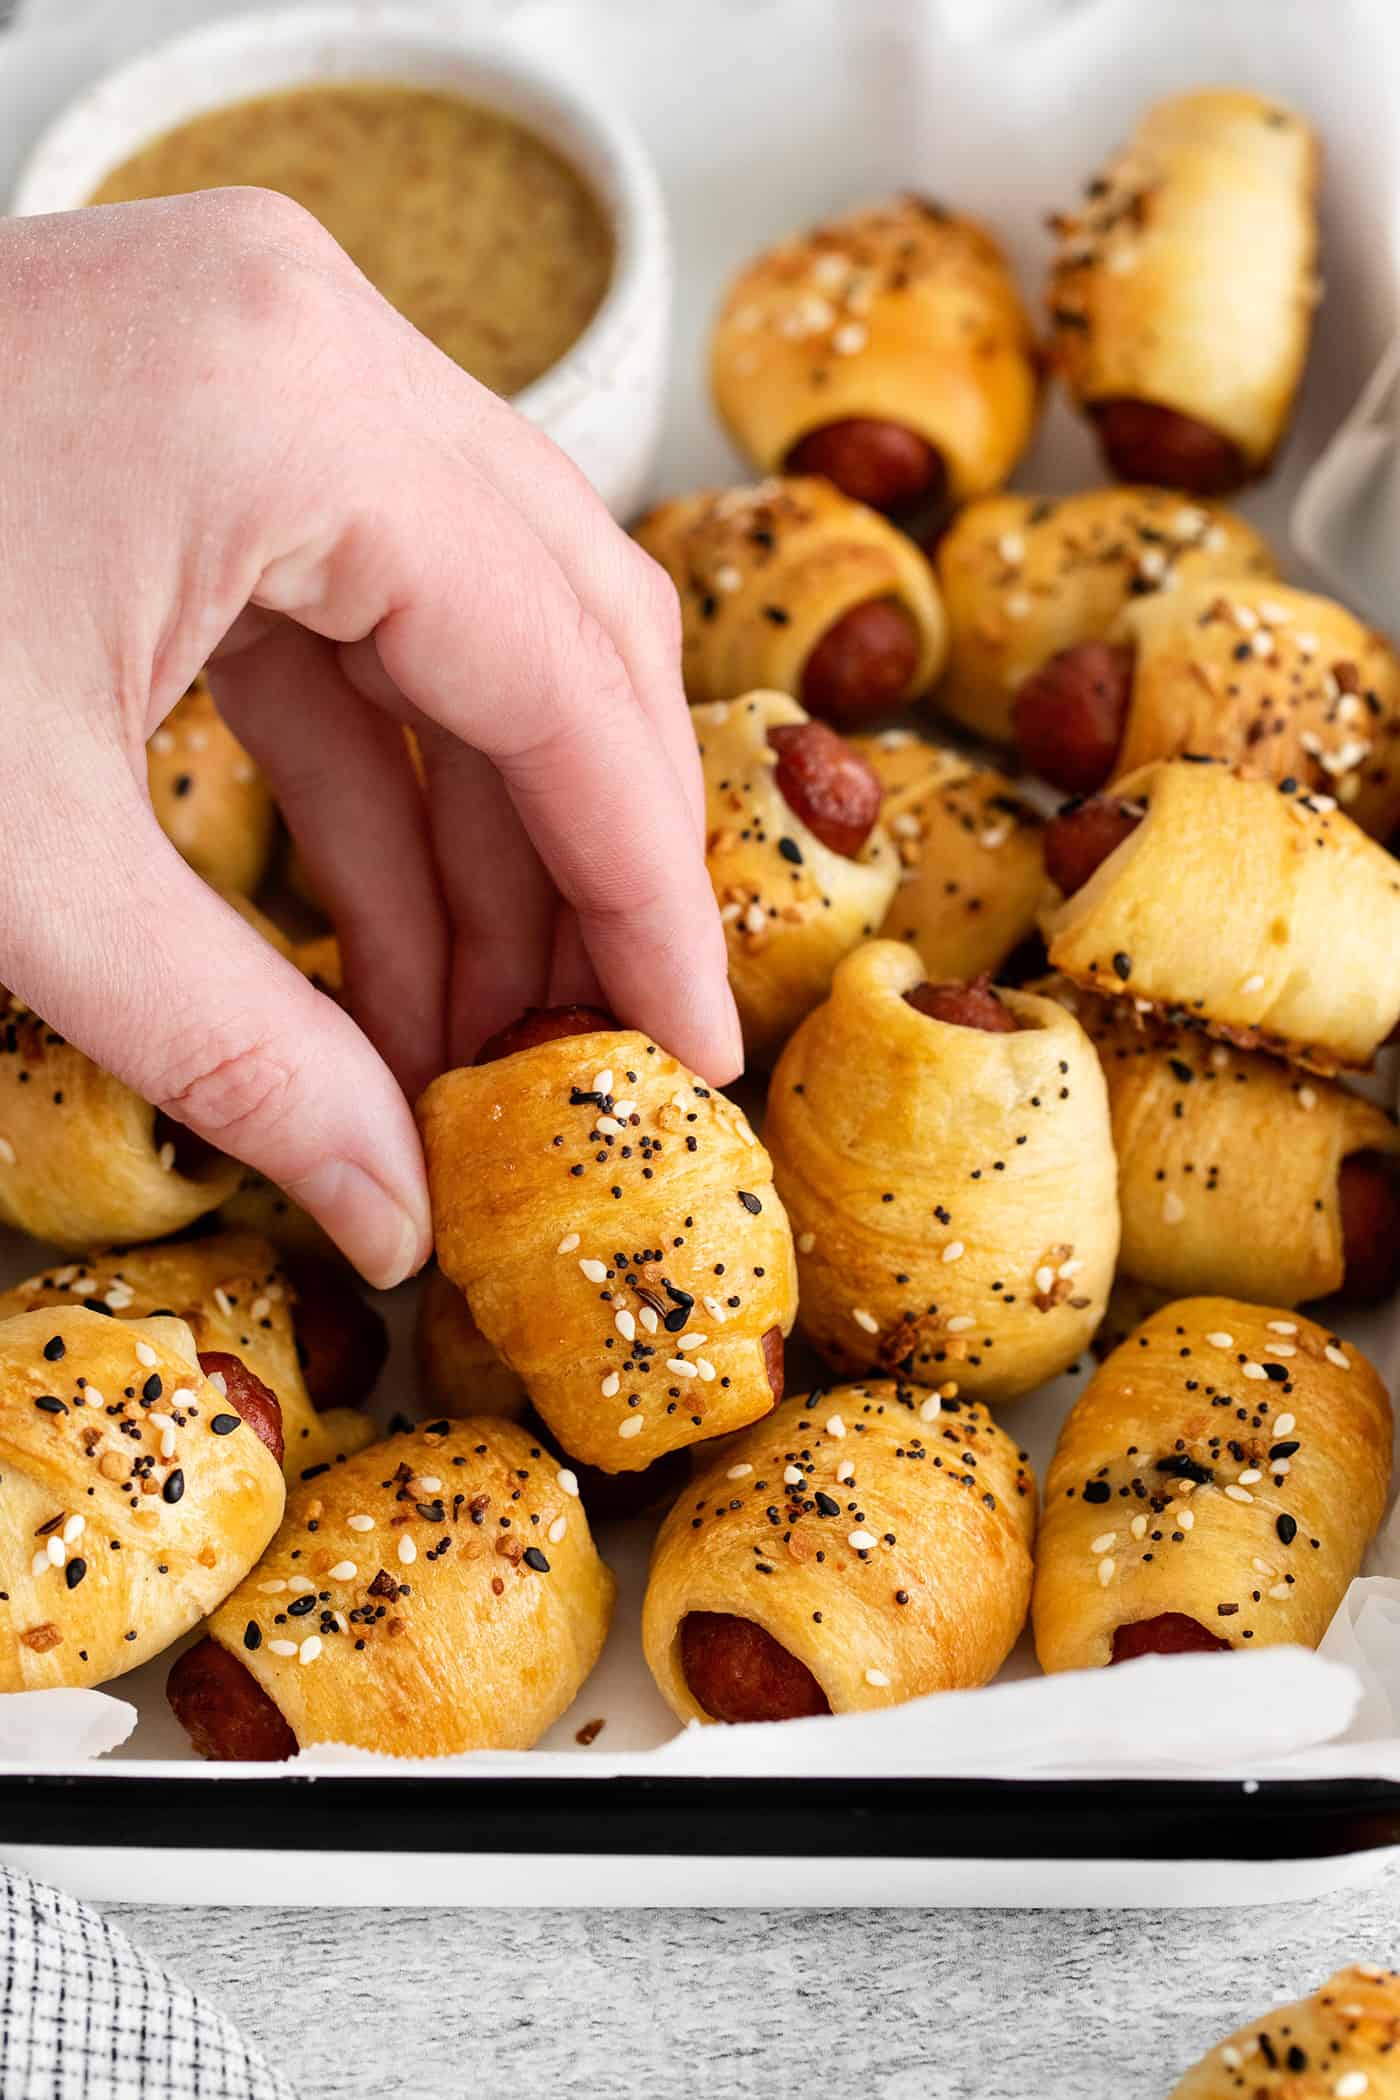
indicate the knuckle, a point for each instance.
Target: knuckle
{"x":659,"y":600}
{"x":228,"y":1089}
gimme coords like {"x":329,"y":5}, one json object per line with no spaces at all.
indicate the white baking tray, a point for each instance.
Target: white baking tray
{"x":763,"y":114}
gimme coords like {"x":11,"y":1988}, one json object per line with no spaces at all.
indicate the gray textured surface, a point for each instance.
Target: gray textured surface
{"x":890,"y":2005}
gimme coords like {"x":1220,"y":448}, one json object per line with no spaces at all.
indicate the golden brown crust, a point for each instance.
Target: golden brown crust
{"x":1227,"y":1159}
{"x":1229,"y":1462}
{"x":951,"y":1192}
{"x":457,"y":1366}
{"x":900,"y":1563}
{"x":1023,"y":577}
{"x":787,"y":921}
{"x":972,"y":873}
{"x":208,"y":796}
{"x":1343,"y":2040}
{"x":134,"y":1500}
{"x":1290,"y":684}
{"x":82,"y":1157}
{"x":628,"y":1358}
{"x":763,"y":573}
{"x":465,"y":1613}
{"x":902,"y":312}
{"x":1187,"y":278}
{"x":1262,"y":916}
{"x":230,"y":1292}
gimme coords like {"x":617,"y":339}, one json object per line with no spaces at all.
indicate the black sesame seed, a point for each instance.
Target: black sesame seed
{"x":1097,"y":1491}
{"x":1122,"y":965}
{"x":252,"y":1635}
{"x":1286,"y":1527}
{"x":174,"y":1486}
{"x":750,"y":1202}
{"x":790,"y":850}
{"x":74,"y":1573}
{"x":533,"y":1558}
{"x":54,"y":1349}
{"x":47,"y":1404}
{"x":224,"y":1425}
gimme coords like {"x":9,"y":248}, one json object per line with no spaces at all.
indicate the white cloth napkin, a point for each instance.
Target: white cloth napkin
{"x":85,"y":2016}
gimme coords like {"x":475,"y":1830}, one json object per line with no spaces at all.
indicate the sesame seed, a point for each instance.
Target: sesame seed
{"x":878,"y":1679}
{"x":631,"y":1427}
{"x":846,"y":1471}
{"x":1138,"y":1527}
{"x":705,"y":1368}
{"x":594,"y":1271}
{"x":1284,"y":1423}
{"x":310,"y":1648}
{"x":865,"y":1320}
{"x":360,"y":1522}
{"x":222,"y":1300}
{"x":1045,"y":1279}
{"x":1185,"y":1519}
{"x":610,"y":1127}
{"x":272,"y":1588}
{"x":610,"y":1385}
{"x":1282,"y":1326}
{"x":7,"y":1152}
{"x":930,"y":1409}
{"x":1281,"y":1592}
{"x":1255,"y":1371}
{"x":1173,"y":1209}
{"x":55,"y":1549}
{"x":567,"y":1244}
{"x":623,"y":1109}
{"x":1335,"y":1356}
{"x":281,"y":1647}
{"x":682,"y":1369}
{"x":602,"y":1082}
{"x":793,"y":1476}
{"x":625,"y":1325}
{"x":557,"y":1530}
{"x":301,"y":1585}
{"x":835,"y":1426}
{"x":261,"y":1307}
{"x":691,"y":1341}
{"x":1250,"y":1476}
{"x":960,"y":1323}
{"x":40,"y":1564}
{"x":850,"y":337}
{"x":740,"y":1472}
{"x":1252,"y":984}
{"x":862,"y":1541}
{"x":74,"y":1528}
{"x":344,"y":1571}
{"x":1238,"y":1494}
{"x":1230,"y":2057}
{"x":1107,"y":1569}
{"x":146,"y":1355}
{"x":1307,"y":1097}
{"x":1103,"y":1543}
{"x":165,"y":1158}
{"x":1351,"y":2085}
{"x":649,"y":1320}
{"x":1221,"y":1340}
{"x":567,"y":1481}
{"x":408,"y":1552}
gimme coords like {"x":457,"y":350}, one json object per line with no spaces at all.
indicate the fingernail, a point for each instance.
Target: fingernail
{"x":385,"y":1240}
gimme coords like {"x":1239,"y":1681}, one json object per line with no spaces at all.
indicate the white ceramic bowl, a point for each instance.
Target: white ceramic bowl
{"x":602,"y":402}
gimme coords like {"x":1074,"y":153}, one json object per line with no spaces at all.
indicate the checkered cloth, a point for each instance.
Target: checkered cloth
{"x":85,"y":2016}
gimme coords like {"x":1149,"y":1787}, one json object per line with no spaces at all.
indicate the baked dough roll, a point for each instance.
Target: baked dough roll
{"x":971,"y":872}
{"x":1025,"y":577}
{"x":209,"y":798}
{"x":801,"y":867}
{"x":865,"y":1545}
{"x":887,"y":349}
{"x":437,"y":1593}
{"x":258,"y":1205}
{"x":1291,"y":685}
{"x":136,"y":1494}
{"x":951,"y":1189}
{"x":457,"y":1366}
{"x":613,"y":1223}
{"x":82,"y":1157}
{"x":1215,"y":1486}
{"x":1237,"y":1173}
{"x":1242,"y":907}
{"x":792,"y":586}
{"x":1182,"y":293}
{"x":1341,"y":2041}
{"x":233,"y":1295}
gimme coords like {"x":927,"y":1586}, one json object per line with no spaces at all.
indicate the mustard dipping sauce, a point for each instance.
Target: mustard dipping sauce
{"x":481,"y":235}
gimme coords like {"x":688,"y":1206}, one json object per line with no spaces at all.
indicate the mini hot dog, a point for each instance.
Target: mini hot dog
{"x":1216,"y":1483}
{"x":1025,"y":578}
{"x":792,"y":586}
{"x":801,"y":867}
{"x":1182,"y":292}
{"x":887,"y":350}
{"x":1287,"y":683}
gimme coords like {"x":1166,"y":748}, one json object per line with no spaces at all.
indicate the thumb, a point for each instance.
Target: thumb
{"x":153,"y":976}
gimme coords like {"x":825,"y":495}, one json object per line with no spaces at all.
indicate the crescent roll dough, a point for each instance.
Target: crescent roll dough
{"x":1344,"y":2040}
{"x":465,"y":1615}
{"x":1023,"y":577}
{"x":208,"y":796}
{"x":900,"y":1563}
{"x":613,"y":1223}
{"x":903,"y":312}
{"x":82,"y":1157}
{"x":457,"y":1366}
{"x":1229,"y":1463}
{"x":231,"y":1294}
{"x":134,"y":1499}
{"x":1227,"y":1159}
{"x":787,"y":921}
{"x":972,"y":874}
{"x":1258,"y":914}
{"x":764,"y":572}
{"x":1288,"y":683}
{"x":952,"y":1193}
{"x":1187,"y":278}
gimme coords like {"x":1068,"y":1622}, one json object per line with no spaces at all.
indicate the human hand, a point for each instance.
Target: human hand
{"x":223,"y":445}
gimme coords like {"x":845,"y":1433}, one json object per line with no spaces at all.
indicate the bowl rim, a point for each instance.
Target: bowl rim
{"x":599,"y":142}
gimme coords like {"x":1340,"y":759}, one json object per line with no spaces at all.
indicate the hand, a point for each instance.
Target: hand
{"x":222,"y":444}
